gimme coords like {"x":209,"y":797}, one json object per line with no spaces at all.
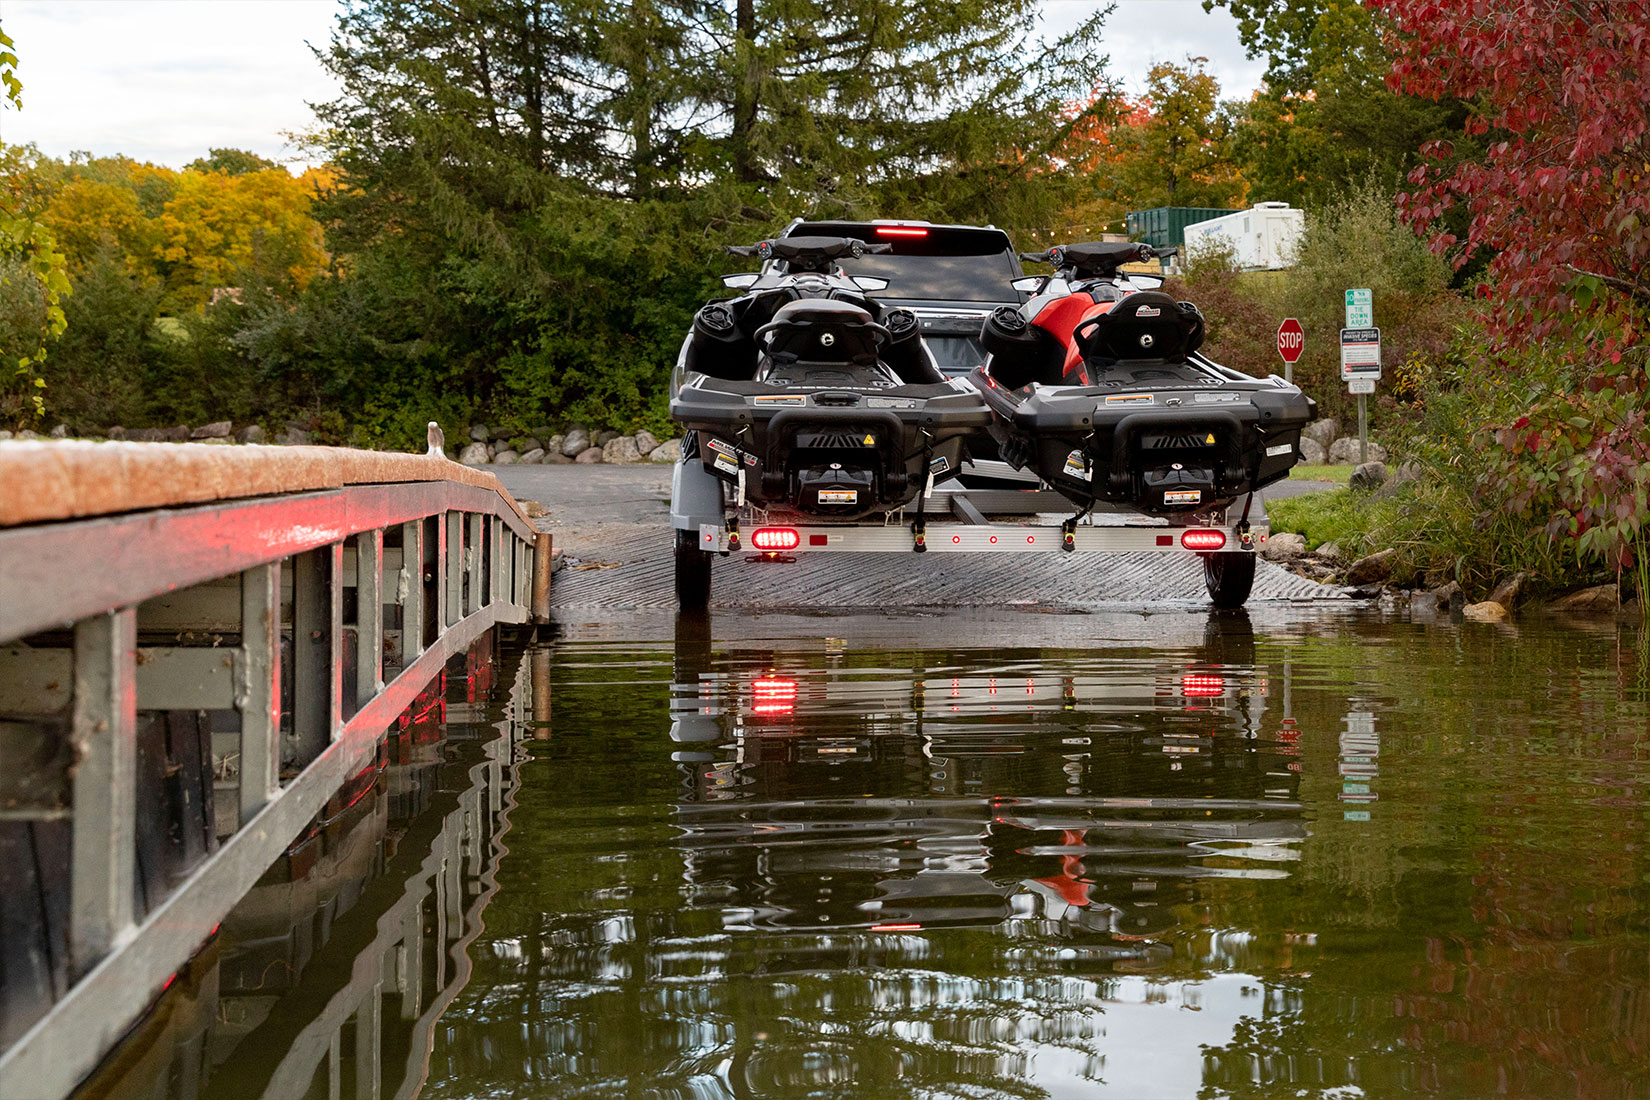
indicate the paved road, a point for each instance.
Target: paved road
{"x":615,"y":521}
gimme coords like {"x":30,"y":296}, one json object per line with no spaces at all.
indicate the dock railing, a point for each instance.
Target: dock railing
{"x":199,"y":645}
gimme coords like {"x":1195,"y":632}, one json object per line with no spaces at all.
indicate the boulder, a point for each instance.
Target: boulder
{"x":59,"y":432}
{"x":1449,"y":597}
{"x":475,"y":454}
{"x":4,"y":434}
{"x":1373,"y":569}
{"x":506,"y":457}
{"x":1283,"y":546}
{"x":1312,"y":452}
{"x":294,"y":437}
{"x":115,"y":433}
{"x":145,"y":435}
{"x":668,"y":451}
{"x":1368,"y":477}
{"x":603,"y":438}
{"x":646,"y":441}
{"x":1345,"y":450}
{"x":1322,"y":432}
{"x":556,"y":458}
{"x":576,"y":442}
{"x":27,"y":434}
{"x":524,"y":443}
{"x":252,"y":433}
{"x":1487,"y":612}
{"x":1407,"y":473}
{"x":589,"y":456}
{"x":1603,"y":597}
{"x":621,"y":450}
{"x":218,"y":429}
{"x":552,"y":443}
{"x":179,"y":434}
{"x":534,"y":457}
{"x":1330,"y":551}
{"x":479,"y":433}
{"x":1510,"y":591}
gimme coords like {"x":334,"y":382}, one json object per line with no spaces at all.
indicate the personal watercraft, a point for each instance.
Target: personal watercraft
{"x":1096,"y":384}
{"x":806,"y":394}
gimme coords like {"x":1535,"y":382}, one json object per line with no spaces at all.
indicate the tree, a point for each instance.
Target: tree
{"x":1561,"y":196}
{"x":28,"y":252}
{"x":1177,"y":151}
{"x":231,"y":162}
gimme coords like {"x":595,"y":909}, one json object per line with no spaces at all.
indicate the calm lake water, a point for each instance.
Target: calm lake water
{"x":1167,"y":855}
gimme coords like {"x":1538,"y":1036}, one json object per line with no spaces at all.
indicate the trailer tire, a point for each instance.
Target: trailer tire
{"x":1229,"y":577}
{"x":692,"y":573}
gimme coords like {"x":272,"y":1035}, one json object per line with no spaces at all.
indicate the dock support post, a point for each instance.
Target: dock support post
{"x":369,"y":615}
{"x":411,"y":591}
{"x":103,"y":865}
{"x":541,"y":577}
{"x":455,"y":568}
{"x":258,"y":696}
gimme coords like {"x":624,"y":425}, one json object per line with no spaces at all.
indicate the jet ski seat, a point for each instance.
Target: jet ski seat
{"x":821,"y":330}
{"x":1145,"y":325}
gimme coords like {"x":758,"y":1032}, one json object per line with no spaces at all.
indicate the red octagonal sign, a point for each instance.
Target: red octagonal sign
{"x":1291,"y":340}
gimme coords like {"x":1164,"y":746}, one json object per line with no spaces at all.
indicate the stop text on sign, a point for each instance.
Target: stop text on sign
{"x":1291,"y":340}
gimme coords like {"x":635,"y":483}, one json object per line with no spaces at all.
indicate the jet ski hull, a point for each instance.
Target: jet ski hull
{"x":833,"y":453}
{"x":1176,"y":449}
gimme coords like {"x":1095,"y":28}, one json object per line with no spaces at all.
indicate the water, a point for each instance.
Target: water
{"x":1169,"y":855}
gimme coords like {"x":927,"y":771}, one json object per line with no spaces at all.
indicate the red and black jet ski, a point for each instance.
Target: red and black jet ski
{"x":1096,"y":384}
{"x":806,"y":394}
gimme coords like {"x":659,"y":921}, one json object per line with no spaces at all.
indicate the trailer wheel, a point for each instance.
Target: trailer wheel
{"x":1229,"y":577}
{"x":692,"y":573}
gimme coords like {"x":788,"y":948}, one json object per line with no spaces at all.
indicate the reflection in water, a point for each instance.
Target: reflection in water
{"x":1138,"y":864}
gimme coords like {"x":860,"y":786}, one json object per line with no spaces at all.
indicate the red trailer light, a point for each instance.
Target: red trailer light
{"x":1203,"y":539}
{"x":900,"y":231}
{"x":1202,"y":685}
{"x":776,"y":538}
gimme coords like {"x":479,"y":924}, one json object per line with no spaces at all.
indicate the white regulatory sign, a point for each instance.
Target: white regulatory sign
{"x":1360,"y":385}
{"x":1360,"y":353}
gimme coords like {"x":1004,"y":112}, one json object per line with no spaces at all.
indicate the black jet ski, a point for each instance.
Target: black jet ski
{"x":806,"y":394}
{"x":1096,"y":384}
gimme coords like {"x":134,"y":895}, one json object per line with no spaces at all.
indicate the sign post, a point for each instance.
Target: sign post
{"x":1360,"y":369}
{"x":1291,"y":342}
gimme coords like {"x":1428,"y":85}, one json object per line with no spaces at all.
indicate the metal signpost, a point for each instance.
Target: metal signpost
{"x":1360,"y":369}
{"x":1291,"y":342}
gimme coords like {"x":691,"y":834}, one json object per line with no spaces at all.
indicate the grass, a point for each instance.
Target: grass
{"x":1338,"y":474}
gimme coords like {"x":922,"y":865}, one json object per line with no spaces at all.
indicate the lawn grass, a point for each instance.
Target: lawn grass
{"x":1338,"y":474}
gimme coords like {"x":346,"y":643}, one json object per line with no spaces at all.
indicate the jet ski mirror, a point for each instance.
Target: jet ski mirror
{"x":740,"y":281}
{"x":870,"y":282}
{"x":1029,"y":284}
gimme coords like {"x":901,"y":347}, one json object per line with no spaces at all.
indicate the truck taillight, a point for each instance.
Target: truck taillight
{"x":776,"y":538}
{"x":1202,"y":539}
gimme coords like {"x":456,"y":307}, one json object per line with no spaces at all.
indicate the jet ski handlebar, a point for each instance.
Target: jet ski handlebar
{"x":809,"y":254}
{"x":1097,"y":259}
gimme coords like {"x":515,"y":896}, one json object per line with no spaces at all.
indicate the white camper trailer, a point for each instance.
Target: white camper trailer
{"x":1264,"y":237}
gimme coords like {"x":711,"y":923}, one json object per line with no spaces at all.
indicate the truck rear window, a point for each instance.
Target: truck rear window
{"x":944,"y":263}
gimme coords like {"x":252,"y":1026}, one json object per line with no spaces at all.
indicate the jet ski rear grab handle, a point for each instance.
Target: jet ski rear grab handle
{"x":963,"y":526}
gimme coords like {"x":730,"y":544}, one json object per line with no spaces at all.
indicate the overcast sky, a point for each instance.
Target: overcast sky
{"x":165,"y":80}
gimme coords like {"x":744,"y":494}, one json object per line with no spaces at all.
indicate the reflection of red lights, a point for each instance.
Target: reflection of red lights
{"x":773,"y":708}
{"x":1202,"y":685}
{"x":773,"y":696}
{"x":896,"y":927}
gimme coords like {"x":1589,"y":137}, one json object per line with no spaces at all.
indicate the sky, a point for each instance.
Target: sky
{"x":166,"y":80}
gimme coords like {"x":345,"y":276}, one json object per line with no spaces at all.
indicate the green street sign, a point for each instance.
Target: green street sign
{"x":1360,"y":308}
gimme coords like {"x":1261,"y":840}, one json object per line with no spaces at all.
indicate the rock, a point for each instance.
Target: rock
{"x":474,"y":454}
{"x":1368,"y":477}
{"x":556,"y":458}
{"x":553,"y":443}
{"x":1283,"y":546}
{"x":621,"y":450}
{"x":534,"y":509}
{"x":218,"y":429}
{"x":1487,"y":612}
{"x":4,"y":434}
{"x":145,"y":435}
{"x":1322,"y":432}
{"x":544,"y":431}
{"x":27,"y":434}
{"x":576,"y":442}
{"x":1373,"y":569}
{"x":179,"y":434}
{"x":1344,"y":452}
{"x":589,"y":456}
{"x":525,"y":443}
{"x":1330,"y":551}
{"x":479,"y":433}
{"x":1312,"y":453}
{"x":1603,"y":597}
{"x":533,"y":457}
{"x":1509,"y":591}
{"x":1449,"y":597}
{"x":1407,"y":473}
{"x":116,"y":433}
{"x":603,"y":438}
{"x":646,"y":441}
{"x":668,"y":451}
{"x":294,"y":437}
{"x":506,"y":457}
{"x":60,"y":432}
{"x":252,"y":433}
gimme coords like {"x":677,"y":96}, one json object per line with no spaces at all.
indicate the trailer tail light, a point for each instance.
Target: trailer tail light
{"x":773,"y":696}
{"x":1202,"y":538}
{"x":776,"y":538}
{"x":900,"y":231}
{"x":1202,"y":685}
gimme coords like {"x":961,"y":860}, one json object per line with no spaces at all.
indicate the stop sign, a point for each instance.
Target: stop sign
{"x":1291,"y":339}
